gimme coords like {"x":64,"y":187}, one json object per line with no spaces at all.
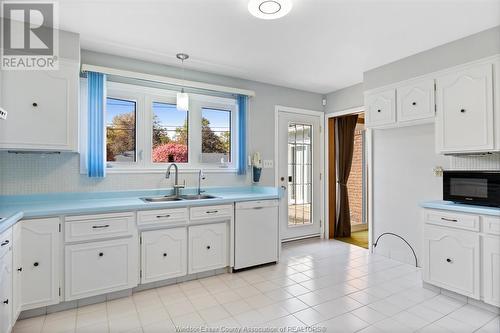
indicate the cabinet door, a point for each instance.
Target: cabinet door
{"x":6,"y":291}
{"x":208,"y":247}
{"x":40,"y":252}
{"x":491,"y":270}
{"x":381,"y":109}
{"x":164,"y":254}
{"x":464,"y":116}
{"x":17,"y":271}
{"x":42,"y":107}
{"x":451,"y":260}
{"x":100,"y":267}
{"x":415,"y":102}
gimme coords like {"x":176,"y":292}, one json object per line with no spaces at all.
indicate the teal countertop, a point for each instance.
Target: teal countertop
{"x":448,"y":205}
{"x":14,"y":208}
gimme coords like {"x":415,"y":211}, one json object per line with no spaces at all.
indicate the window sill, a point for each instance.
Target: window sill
{"x":121,"y":170}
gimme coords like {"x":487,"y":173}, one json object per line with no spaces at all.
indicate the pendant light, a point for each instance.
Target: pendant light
{"x":182,"y":97}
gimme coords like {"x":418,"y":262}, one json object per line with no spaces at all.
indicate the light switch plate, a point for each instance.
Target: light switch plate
{"x":268,"y":164}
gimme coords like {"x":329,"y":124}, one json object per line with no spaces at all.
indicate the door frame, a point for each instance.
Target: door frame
{"x":369,"y":171}
{"x":321,"y":116}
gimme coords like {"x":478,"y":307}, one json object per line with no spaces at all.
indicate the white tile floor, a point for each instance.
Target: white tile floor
{"x":323,"y":283}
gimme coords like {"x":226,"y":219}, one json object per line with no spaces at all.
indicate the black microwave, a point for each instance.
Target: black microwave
{"x":472,"y":187}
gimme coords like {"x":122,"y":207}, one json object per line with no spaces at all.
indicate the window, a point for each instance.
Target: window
{"x":145,"y":131}
{"x":120,"y":130}
{"x":215,"y":136}
{"x":170,"y":134}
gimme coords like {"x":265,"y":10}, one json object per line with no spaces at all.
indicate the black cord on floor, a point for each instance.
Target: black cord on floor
{"x":404,"y":240}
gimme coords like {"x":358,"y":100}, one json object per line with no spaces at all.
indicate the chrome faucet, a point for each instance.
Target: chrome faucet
{"x":201,"y":176}
{"x":177,"y":187}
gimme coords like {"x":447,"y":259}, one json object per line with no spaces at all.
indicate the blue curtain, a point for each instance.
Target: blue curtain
{"x":96,"y":158}
{"x":242,"y":134}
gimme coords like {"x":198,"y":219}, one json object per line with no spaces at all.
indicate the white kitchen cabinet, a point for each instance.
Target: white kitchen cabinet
{"x":41,"y":262}
{"x":208,"y":247}
{"x":100,"y":267}
{"x":42,"y":108}
{"x":17,"y":271}
{"x":452,"y":259}
{"x":163,"y":254}
{"x":465,"y":115}
{"x":491,"y":270}
{"x":415,"y":101}
{"x":6,"y":321}
{"x":381,"y":109}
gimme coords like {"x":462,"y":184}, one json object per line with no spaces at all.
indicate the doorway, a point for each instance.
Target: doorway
{"x":356,"y":184}
{"x":299,"y":159}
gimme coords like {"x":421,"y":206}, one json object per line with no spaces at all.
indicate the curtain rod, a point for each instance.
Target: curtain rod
{"x":165,"y":79}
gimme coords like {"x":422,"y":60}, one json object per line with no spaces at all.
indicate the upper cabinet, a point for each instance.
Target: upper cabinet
{"x":381,"y":108}
{"x":465,"y":114}
{"x":42,"y":105}
{"x":415,"y":101}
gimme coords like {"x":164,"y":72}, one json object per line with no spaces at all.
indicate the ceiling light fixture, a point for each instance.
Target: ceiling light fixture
{"x":269,"y":9}
{"x":182,"y":97}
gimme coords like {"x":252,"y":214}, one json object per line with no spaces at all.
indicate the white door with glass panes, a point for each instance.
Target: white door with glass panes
{"x":299,"y":174}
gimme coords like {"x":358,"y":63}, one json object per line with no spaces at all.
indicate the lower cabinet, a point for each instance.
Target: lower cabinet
{"x":100,"y":267}
{"x":491,"y":269}
{"x":6,"y":321}
{"x":452,"y":260}
{"x":17,"y":270}
{"x":208,"y":247}
{"x":40,"y":262}
{"x":163,"y":254}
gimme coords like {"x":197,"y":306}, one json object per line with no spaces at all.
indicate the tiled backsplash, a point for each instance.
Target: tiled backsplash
{"x":38,"y":173}
{"x":476,"y":162}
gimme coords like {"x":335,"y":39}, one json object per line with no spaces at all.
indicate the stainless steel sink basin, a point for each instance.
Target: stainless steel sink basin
{"x":197,"y":196}
{"x":161,"y":199}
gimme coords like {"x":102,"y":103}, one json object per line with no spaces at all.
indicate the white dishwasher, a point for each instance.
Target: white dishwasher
{"x":256,"y":229}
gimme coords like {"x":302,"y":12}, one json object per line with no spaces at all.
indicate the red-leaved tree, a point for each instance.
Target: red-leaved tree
{"x":170,"y":152}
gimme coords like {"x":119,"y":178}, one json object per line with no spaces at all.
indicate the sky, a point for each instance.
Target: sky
{"x":168,"y":114}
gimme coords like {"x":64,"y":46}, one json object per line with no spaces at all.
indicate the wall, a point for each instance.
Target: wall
{"x":346,"y":98}
{"x":355,"y":181}
{"x":20,"y":174}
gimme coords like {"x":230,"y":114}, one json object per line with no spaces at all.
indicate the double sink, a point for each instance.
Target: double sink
{"x":167,"y":198}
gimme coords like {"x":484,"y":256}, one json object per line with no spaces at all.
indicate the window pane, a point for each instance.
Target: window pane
{"x":120,"y":130}
{"x":170,"y":134}
{"x":215,"y":136}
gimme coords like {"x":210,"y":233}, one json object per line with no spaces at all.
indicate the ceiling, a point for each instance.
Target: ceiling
{"x":321,"y":46}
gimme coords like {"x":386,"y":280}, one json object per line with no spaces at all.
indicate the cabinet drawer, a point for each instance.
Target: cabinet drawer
{"x":163,"y":254}
{"x":452,"y":219}
{"x":95,"y":227}
{"x":210,"y":212}
{"x":101,"y":267}
{"x":162,"y":216}
{"x":208,"y":247}
{"x":491,"y":225}
{"x":5,"y":242}
{"x":451,"y":260}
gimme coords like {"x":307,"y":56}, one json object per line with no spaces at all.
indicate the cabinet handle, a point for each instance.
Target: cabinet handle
{"x":20,"y":269}
{"x":212,"y":211}
{"x":208,"y":247}
{"x":449,"y":260}
{"x":462,"y":110}
{"x":258,"y":207}
{"x":6,"y":301}
{"x":5,"y":243}
{"x":35,"y":104}
{"x":164,"y":254}
{"x":101,"y":254}
{"x":414,"y":103}
{"x":100,"y":226}
{"x":36,"y":264}
{"x":379,"y":110}
{"x":449,"y":220}
{"x":160,"y":216}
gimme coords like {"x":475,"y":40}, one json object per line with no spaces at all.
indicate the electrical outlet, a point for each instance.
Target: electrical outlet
{"x":268,"y":164}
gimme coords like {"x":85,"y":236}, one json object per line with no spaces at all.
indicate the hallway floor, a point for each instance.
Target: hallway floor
{"x":358,"y":238}
{"x":324,"y":283}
